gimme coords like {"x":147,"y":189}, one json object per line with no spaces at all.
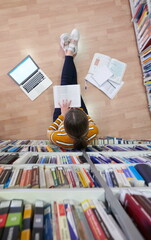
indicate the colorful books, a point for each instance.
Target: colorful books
{"x":46,"y":177}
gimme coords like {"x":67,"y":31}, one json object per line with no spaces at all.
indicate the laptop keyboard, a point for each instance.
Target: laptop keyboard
{"x":38,"y":78}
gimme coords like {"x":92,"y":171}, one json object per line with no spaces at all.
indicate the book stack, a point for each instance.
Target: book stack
{"x":141,"y":13}
{"x":106,"y":74}
{"x":128,"y":176}
{"x":44,"y":177}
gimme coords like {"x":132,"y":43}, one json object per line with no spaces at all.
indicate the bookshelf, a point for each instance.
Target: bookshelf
{"x":108,"y":195}
{"x":141,"y":17}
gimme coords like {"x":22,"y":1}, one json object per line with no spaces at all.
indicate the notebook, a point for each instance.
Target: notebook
{"x":30,"y":78}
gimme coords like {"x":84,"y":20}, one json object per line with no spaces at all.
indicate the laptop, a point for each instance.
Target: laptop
{"x":31,"y":79}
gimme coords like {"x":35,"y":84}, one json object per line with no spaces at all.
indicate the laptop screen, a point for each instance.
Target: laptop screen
{"x":23,"y":70}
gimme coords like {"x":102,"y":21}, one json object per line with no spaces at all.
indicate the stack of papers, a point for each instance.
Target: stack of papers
{"x":106,"y":74}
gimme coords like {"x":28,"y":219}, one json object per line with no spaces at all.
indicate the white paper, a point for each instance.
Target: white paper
{"x":114,"y":83}
{"x":111,"y":88}
{"x":118,"y":69}
{"x":102,"y":74}
{"x":69,"y":92}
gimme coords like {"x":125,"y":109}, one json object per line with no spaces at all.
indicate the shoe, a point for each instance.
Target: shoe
{"x":74,"y":38}
{"x":64,"y":41}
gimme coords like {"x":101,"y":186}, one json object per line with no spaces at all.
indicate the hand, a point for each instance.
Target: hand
{"x":65,"y":106}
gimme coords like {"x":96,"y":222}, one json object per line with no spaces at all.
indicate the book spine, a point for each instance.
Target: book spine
{"x":71,"y":223}
{"x":93,"y":223}
{"x":56,"y":232}
{"x":27,"y":221}
{"x":48,"y":231}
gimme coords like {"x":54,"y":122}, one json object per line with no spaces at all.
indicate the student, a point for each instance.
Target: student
{"x":72,"y":127}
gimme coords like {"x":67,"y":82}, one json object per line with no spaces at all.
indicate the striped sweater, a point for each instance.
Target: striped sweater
{"x":57,"y":134}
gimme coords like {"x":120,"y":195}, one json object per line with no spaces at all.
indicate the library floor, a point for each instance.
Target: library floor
{"x":33,"y":28}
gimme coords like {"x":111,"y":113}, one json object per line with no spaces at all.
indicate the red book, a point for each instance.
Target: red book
{"x":72,"y":178}
{"x":73,"y":160}
{"x":93,"y":222}
{"x":144,"y":202}
{"x":91,"y":182}
{"x":139,"y":215}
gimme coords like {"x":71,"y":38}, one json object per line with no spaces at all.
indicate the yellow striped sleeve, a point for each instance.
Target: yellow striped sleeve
{"x":55,"y":125}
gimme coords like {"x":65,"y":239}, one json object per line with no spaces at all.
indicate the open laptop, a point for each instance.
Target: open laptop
{"x":31,"y":79}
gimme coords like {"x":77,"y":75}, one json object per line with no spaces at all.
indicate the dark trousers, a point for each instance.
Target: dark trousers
{"x":68,"y":77}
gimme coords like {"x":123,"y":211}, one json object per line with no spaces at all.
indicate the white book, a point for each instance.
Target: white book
{"x":67,"y":92}
{"x":14,"y":178}
{"x":109,"y":224}
{"x":23,"y":159}
{"x":118,"y":177}
{"x":114,"y":82}
{"x":42,"y":179}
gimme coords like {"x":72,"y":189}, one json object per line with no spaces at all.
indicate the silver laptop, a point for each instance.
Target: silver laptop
{"x":31,"y":79}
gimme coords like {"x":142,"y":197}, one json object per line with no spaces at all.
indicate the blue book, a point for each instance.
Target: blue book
{"x":71,"y":222}
{"x":69,"y":160}
{"x":43,"y":160}
{"x":136,"y":173}
{"x":105,"y":159}
{"x":108,"y":178}
{"x":48,"y":230}
{"x":14,"y":149}
{"x":95,"y":159}
{"x":125,"y":159}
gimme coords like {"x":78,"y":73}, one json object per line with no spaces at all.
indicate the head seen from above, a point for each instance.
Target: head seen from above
{"x":76,"y":125}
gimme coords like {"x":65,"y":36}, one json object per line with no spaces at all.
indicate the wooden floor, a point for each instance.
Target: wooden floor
{"x":33,"y":27}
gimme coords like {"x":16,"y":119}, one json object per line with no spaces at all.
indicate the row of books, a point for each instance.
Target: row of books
{"x":38,"y":148}
{"x":141,"y":11}
{"x":26,"y":158}
{"x":128,"y":176}
{"x":63,"y":220}
{"x":115,"y":140}
{"x":138,"y":207}
{"x":47,"y":148}
{"x":43,"y":177}
{"x":97,"y":141}
{"x":10,"y":148}
{"x":115,"y":148}
{"x":72,"y":220}
{"x":143,"y":23}
{"x":145,"y":57}
{"x":103,"y":159}
{"x":24,"y":142}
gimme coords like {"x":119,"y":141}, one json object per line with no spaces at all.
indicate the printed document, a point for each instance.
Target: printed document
{"x":69,"y":92}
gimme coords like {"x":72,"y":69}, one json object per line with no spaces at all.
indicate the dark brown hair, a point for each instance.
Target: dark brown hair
{"x":76,"y":125}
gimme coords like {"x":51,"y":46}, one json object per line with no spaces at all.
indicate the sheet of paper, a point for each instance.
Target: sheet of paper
{"x":98,"y":60}
{"x":69,"y":92}
{"x":111,"y":88}
{"x":102,"y":74}
{"x":118,"y":69}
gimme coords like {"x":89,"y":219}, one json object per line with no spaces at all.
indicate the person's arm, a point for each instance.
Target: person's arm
{"x":91,"y":122}
{"x":55,"y":125}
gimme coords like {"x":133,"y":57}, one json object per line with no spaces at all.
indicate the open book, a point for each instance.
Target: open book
{"x":106,"y":73}
{"x":69,"y":92}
